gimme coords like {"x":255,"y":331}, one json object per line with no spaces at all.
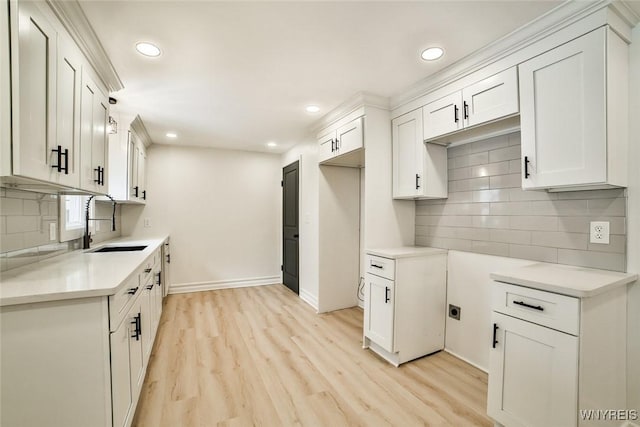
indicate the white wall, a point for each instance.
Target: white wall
{"x":307,"y":154}
{"x":469,"y":287}
{"x":222,"y":209}
{"x":633,"y":232}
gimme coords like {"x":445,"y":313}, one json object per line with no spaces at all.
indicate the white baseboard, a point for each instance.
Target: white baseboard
{"x":466,"y":360}
{"x":181,"y":288}
{"x":309,"y":298}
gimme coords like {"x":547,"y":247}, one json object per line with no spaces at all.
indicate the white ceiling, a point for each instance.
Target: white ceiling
{"x":239,"y":74}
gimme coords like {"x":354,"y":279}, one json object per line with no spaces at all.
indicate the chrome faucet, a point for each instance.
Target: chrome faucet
{"x":86,"y":240}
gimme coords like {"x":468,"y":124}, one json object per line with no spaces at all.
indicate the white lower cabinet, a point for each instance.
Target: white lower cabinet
{"x":404,"y":302}
{"x":536,"y":374}
{"x":79,"y":362}
{"x":553,"y":356}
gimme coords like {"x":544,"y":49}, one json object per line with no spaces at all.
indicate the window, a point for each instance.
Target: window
{"x":72,"y":216}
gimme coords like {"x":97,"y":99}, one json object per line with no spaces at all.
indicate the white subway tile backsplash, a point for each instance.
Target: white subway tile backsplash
{"x":502,"y":154}
{"x":12,"y":242}
{"x":592,"y":259}
{"x":535,"y":253}
{"x":11,"y":206}
{"x":488,"y":212}
{"x":21,"y":224}
{"x":559,"y":239}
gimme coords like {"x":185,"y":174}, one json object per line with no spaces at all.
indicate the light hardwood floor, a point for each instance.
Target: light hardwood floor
{"x":261,"y":356}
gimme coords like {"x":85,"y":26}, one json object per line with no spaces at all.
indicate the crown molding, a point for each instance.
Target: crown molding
{"x":138,"y":127}
{"x":76,"y":23}
{"x":541,"y":27}
{"x":359,"y":100}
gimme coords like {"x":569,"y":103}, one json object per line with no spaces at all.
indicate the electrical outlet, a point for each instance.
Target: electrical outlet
{"x":53,"y":231}
{"x":599,"y":232}
{"x":147,"y":222}
{"x":454,"y":311}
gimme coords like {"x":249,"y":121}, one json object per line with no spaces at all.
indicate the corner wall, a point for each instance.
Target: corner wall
{"x":307,"y":154}
{"x":633,"y":218}
{"x":222,"y":209}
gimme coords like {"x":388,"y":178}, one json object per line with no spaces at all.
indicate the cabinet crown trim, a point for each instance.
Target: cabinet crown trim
{"x":359,"y":100}
{"x":556,"y":19}
{"x":138,"y":127}
{"x":76,"y":23}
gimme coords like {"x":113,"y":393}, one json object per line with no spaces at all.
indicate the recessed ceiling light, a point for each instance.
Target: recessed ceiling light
{"x":312,"y":108}
{"x":171,"y":135}
{"x":271,"y":144}
{"x":432,"y":53}
{"x":148,"y":49}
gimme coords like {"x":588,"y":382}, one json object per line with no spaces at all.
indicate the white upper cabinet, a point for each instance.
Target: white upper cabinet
{"x":573,"y":114}
{"x":487,"y":100}
{"x":49,"y":109}
{"x":69,"y":73}
{"x":34,"y":51}
{"x":419,"y":169}
{"x":93,"y":137}
{"x":342,"y":146}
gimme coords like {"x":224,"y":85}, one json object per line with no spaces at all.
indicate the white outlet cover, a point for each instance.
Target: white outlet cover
{"x":599,"y":232}
{"x":53,"y":231}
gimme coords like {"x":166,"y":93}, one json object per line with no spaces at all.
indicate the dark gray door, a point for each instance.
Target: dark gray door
{"x":290,"y":226}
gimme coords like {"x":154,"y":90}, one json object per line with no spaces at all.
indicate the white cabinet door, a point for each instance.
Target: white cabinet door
{"x":120,"y":374}
{"x":379,"y":311}
{"x":491,"y":98}
{"x":443,"y":116}
{"x":136,"y":355}
{"x":327,"y":146}
{"x":563,"y":114}
{"x":349,"y":137}
{"x":69,"y":86}
{"x":34,"y":58}
{"x":407,"y":152}
{"x":533,"y":375}
{"x":134,"y":160}
{"x":142,"y":172}
{"x":93,"y":136}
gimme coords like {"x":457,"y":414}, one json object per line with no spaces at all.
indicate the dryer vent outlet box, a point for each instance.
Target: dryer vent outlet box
{"x":454,"y":311}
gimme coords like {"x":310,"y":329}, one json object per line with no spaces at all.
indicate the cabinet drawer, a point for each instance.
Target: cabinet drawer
{"x":555,"y":311}
{"x":378,"y":266}
{"x":119,"y":302}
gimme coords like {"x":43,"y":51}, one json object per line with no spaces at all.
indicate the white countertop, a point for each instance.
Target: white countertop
{"x":78,"y":274}
{"x":405,"y":252}
{"x":565,"y":279}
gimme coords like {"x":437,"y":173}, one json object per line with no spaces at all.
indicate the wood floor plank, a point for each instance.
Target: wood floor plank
{"x":261,"y":356}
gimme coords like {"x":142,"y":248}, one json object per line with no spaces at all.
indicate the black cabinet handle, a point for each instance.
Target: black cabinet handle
{"x":135,"y":191}
{"x":386,"y":294}
{"x":159,"y":282}
{"x":168,"y":258}
{"x":138,"y":327}
{"x":455,"y":113}
{"x":465,"y":108}
{"x":376,"y":266}
{"x":100,"y":179}
{"x":149,"y":287}
{"x":132,"y":291}
{"x":417,"y":181}
{"x":332,"y":145}
{"x":147,"y":270}
{"x":58,"y":151}
{"x":495,"y":333}
{"x":144,"y":194}
{"x":526,"y":167}
{"x":524,"y":304}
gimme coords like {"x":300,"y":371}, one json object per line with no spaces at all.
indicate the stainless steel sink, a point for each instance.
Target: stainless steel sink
{"x":119,"y":249}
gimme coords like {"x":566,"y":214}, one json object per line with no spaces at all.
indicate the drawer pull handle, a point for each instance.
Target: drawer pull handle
{"x":387,"y":298}
{"x":495,"y":333}
{"x":376,"y":266}
{"x":149,"y":287}
{"x":147,"y":270}
{"x":524,"y":304}
{"x":132,"y":291}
